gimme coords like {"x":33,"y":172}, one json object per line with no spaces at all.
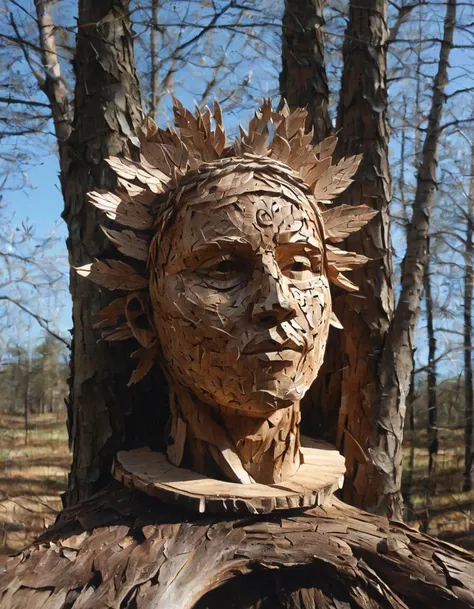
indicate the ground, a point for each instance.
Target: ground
{"x":34,"y":469}
{"x":33,"y":473}
{"x":439,"y":506}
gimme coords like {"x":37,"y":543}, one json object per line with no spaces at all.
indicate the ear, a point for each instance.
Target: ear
{"x":140,"y":320}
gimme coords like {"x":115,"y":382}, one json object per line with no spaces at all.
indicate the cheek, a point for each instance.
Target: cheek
{"x":316,"y":309}
{"x":198,"y":311}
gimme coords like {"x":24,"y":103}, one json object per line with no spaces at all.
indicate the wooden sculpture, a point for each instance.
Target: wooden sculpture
{"x":234,"y":302}
{"x":232,"y":254}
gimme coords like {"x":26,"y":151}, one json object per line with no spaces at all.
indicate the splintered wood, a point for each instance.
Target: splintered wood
{"x":122,"y":549}
{"x":228,"y":270}
{"x":320,"y":474}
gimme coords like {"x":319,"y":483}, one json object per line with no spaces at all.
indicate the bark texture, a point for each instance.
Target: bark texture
{"x":104,"y":415}
{"x":364,"y":434}
{"x":432,"y":373}
{"x":52,"y":84}
{"x":123,"y":549}
{"x":303,"y":80}
{"x":468,"y":375}
{"x":396,"y":364}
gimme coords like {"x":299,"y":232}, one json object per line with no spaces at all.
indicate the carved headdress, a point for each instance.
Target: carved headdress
{"x":193,"y":162}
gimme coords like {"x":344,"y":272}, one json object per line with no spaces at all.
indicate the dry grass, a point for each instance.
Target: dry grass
{"x":33,"y":472}
{"x":438,"y":504}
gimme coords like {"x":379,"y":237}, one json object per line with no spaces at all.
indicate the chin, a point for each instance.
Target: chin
{"x":264,"y":402}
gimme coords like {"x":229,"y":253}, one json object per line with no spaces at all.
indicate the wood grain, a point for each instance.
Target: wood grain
{"x":233,"y":302}
{"x":318,"y":477}
{"x":124,"y":549}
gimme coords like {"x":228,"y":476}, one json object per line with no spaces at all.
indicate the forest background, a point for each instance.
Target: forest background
{"x":234,"y":52}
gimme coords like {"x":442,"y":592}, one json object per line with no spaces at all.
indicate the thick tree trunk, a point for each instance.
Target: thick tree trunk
{"x":468,"y":375}
{"x":363,"y":129}
{"x":103,"y":414}
{"x":124,"y":549}
{"x":432,"y":435}
{"x":397,"y":362}
{"x":303,"y":80}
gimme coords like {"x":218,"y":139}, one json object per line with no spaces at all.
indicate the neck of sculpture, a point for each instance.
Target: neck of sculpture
{"x":242,"y":449}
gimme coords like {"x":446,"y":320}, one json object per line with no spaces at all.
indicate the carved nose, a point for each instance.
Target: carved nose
{"x":270,"y":313}
{"x":272,"y":305}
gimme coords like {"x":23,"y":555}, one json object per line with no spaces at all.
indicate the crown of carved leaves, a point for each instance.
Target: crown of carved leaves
{"x":193,"y":162}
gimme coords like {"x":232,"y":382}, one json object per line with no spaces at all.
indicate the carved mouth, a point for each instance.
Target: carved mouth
{"x":271,"y":346}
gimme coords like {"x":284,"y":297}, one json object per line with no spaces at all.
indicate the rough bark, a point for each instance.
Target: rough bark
{"x":303,"y":80}
{"x":397,"y":362}
{"x":103,"y":414}
{"x":432,"y":435}
{"x":363,"y":124}
{"x":123,"y":549}
{"x":408,"y":486}
{"x":468,"y":375}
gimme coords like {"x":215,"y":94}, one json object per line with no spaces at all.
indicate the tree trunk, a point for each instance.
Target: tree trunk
{"x":154,"y":59}
{"x":303,"y":80}
{"x":363,"y":129}
{"x":53,"y":85}
{"x":104,"y":414}
{"x":468,"y":377}
{"x":432,"y":435}
{"x":124,"y":549}
{"x":408,"y":486}
{"x":397,"y":361}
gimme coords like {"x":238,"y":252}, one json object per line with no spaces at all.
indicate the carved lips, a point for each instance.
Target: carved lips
{"x":268,"y":345}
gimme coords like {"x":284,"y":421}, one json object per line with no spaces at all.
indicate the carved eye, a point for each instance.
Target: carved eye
{"x":226,"y":267}
{"x":299,"y":266}
{"x":229,"y":269}
{"x":302,"y":267}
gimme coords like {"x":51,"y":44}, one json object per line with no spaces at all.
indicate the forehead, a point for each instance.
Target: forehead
{"x":255,"y":219}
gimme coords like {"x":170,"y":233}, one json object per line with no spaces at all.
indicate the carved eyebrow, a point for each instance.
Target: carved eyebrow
{"x":222,"y":243}
{"x":197,"y":255}
{"x":310,"y":244}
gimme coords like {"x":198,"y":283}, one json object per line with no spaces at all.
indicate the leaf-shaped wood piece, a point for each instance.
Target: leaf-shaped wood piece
{"x":326,"y":147}
{"x":128,"y":213}
{"x":296,"y":122}
{"x":341,"y":221}
{"x":340,"y":280}
{"x":334,"y":321}
{"x":129,"y":170}
{"x":140,"y":318}
{"x":113,"y":274}
{"x":111,"y":315}
{"x":344,"y":261}
{"x":128,"y":192}
{"x":118,"y":333}
{"x":146,"y":360}
{"x":128,"y":243}
{"x":336,"y":179}
{"x":314,"y":169}
{"x":280,"y":149}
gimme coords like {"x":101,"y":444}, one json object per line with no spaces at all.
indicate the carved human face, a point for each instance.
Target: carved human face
{"x":241,"y":302}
